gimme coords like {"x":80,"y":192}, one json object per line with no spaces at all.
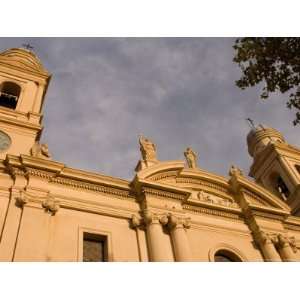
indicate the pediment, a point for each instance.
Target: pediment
{"x":212,"y":189}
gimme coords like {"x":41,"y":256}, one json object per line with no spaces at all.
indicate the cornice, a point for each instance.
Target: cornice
{"x":57,"y":173}
{"x":20,"y":123}
{"x":77,"y":184}
{"x":160,"y":167}
{"x":106,"y":208}
{"x":212,"y":211}
{"x":292,"y":223}
{"x":53,"y":202}
{"x":204,"y":183}
{"x":91,"y":177}
{"x":162,"y":190}
{"x":204,"y":175}
{"x":163,"y":175}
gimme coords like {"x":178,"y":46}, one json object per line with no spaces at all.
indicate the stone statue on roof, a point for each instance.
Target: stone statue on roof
{"x":40,"y":151}
{"x":148,"y":149}
{"x":191,"y":158}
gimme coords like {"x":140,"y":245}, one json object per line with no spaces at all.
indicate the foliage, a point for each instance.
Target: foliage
{"x":275,"y":62}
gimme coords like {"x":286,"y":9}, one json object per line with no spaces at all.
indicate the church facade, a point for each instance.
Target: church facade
{"x":170,"y":211}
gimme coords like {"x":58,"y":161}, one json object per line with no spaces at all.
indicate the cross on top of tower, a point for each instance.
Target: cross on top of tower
{"x":251,"y":123}
{"x":27,"y":46}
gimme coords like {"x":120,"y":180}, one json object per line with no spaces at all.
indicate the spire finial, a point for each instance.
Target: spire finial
{"x":250,"y":123}
{"x":27,"y":46}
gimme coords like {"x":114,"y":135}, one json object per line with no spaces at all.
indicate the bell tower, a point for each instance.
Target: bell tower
{"x":276,"y":164}
{"x":23,"y":84}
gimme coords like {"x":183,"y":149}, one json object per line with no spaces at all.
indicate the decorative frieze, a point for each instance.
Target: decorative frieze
{"x":205,"y":197}
{"x":39,"y":173}
{"x":92,"y":187}
{"x":164,"y":194}
{"x":214,"y":212}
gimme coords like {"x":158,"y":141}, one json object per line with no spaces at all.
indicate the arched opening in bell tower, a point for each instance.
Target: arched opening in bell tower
{"x":280,"y":186}
{"x":9,"y":94}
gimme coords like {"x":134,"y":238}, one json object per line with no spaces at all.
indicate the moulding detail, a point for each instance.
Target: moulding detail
{"x":204,"y":210}
{"x":163,"y":194}
{"x":93,"y":187}
{"x":203,"y":183}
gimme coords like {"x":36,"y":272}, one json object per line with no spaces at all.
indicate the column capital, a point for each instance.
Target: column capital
{"x":155,"y":218}
{"x":178,"y":222}
{"x":282,"y":241}
{"x":264,"y":237}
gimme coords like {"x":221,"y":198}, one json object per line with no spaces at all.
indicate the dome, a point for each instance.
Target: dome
{"x":260,"y":136}
{"x":22,"y":59}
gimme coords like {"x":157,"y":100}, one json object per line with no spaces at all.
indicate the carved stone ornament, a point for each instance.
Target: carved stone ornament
{"x":21,"y":200}
{"x":204,"y":197}
{"x":264,"y":237}
{"x":51,"y":205}
{"x":235,"y":171}
{"x":148,"y":149}
{"x":191,"y":158}
{"x":135,"y":221}
{"x":154,"y":218}
{"x":283,"y":241}
{"x":40,"y":151}
{"x":177,"y":222}
{"x":293,"y":245}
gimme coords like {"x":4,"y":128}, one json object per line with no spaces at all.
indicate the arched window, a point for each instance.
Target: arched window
{"x":226,"y":256}
{"x":9,"y":94}
{"x":279,"y":185}
{"x":282,"y":188}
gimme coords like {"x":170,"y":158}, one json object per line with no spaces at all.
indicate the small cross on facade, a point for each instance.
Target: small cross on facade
{"x":27,"y":46}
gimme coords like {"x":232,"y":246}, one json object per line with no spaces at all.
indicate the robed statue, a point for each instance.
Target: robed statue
{"x":148,"y":149}
{"x":191,"y":158}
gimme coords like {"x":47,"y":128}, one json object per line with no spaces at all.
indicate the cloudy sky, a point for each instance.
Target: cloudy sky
{"x":178,"y":92}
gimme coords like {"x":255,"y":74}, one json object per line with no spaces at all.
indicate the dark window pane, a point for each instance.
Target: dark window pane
{"x":226,"y":256}
{"x":93,"y":248}
{"x":9,"y":94}
{"x":222,"y":258}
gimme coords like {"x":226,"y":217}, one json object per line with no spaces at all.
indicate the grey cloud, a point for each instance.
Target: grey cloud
{"x":178,"y":91}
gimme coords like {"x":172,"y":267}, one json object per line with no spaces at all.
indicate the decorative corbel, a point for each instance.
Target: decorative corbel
{"x":21,"y":200}
{"x":51,"y":205}
{"x":135,"y":222}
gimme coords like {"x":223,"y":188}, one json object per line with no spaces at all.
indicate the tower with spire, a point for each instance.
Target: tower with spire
{"x":23,"y":84}
{"x":276,"y":164}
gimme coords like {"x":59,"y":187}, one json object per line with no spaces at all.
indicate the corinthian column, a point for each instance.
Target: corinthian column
{"x":285,"y":249}
{"x":179,"y":238}
{"x":267,"y":246}
{"x":155,"y":237}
